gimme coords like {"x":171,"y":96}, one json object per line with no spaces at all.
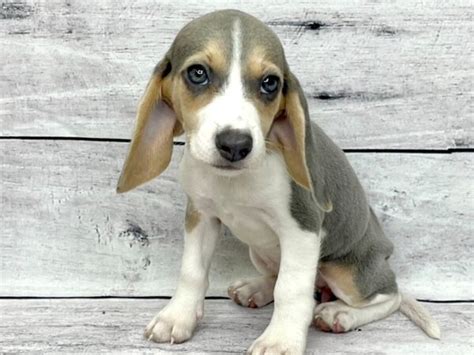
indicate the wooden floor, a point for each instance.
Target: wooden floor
{"x":116,"y":325}
{"x":389,"y":81}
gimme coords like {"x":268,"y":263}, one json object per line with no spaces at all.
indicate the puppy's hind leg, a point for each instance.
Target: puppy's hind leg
{"x":255,"y":292}
{"x":366,"y":293}
{"x":339,"y":317}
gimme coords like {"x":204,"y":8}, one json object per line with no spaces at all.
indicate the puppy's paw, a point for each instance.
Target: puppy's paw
{"x":253,"y":293}
{"x":277,"y":343}
{"x":172,"y":325}
{"x":333,"y":317}
{"x":273,"y":347}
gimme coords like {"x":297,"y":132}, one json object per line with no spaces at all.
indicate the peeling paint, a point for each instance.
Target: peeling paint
{"x":135,"y":234}
{"x":21,"y":32}
{"x":354,"y":95}
{"x":99,"y":237}
{"x":146,"y":262}
{"x":313,"y":25}
{"x":385,"y":30}
{"x":15,"y":10}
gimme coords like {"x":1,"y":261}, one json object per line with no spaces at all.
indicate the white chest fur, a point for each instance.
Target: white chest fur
{"x":252,"y":204}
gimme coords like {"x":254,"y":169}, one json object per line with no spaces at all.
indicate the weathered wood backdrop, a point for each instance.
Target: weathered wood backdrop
{"x":390,"y":81}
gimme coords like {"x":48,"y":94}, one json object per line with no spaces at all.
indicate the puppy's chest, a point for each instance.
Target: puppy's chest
{"x":249,"y":224}
{"x":250,"y":205}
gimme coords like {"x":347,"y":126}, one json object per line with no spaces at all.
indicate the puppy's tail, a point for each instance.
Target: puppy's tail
{"x":420,"y":316}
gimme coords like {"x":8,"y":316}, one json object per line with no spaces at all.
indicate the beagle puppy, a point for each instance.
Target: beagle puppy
{"x":255,"y":163}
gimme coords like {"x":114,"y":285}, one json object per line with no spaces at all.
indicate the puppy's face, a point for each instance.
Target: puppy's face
{"x":226,"y":84}
{"x":226,"y":94}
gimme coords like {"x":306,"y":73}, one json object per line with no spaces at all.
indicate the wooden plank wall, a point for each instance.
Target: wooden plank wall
{"x":390,"y":81}
{"x":377,"y":74}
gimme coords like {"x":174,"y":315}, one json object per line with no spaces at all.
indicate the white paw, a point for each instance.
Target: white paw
{"x":278,"y":341}
{"x":173,"y":324}
{"x":253,"y":293}
{"x":334,"y":317}
{"x":269,"y":346}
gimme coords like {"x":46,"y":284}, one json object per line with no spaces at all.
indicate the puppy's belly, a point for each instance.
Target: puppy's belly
{"x":252,"y":230}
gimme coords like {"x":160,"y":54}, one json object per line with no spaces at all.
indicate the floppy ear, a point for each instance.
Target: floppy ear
{"x":152,"y":144}
{"x":288,"y":130}
{"x":292,"y":132}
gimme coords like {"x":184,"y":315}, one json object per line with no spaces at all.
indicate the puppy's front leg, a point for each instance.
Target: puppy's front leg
{"x":294,"y":302}
{"x":176,"y":322}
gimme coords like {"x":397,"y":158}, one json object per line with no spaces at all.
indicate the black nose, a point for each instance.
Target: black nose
{"x":234,"y":145}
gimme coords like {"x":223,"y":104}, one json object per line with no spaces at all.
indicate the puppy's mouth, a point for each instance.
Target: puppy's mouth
{"x":227,"y":167}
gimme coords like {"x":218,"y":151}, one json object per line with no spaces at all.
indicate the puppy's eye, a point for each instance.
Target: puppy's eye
{"x":269,"y":84}
{"x":197,"y":75}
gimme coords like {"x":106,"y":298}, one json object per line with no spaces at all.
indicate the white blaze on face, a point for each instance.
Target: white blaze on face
{"x":230,"y":109}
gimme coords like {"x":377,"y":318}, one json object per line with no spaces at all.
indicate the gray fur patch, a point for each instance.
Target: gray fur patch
{"x":354,"y":235}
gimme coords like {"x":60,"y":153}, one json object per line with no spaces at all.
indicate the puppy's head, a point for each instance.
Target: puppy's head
{"x":225,"y":83}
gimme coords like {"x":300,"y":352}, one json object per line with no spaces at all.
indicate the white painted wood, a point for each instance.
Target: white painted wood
{"x":404,"y":69}
{"x":64,"y":231}
{"x":97,"y":326}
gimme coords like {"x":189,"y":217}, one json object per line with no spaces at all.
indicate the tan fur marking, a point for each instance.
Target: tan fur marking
{"x":167,"y":87}
{"x":292,"y":146}
{"x":294,"y":154}
{"x":257,"y":66}
{"x":192,"y":217}
{"x":211,"y":55}
{"x":215,"y":57}
{"x":187,"y":104}
{"x":343,"y":277}
{"x":149,"y":154}
{"x":266,"y":114}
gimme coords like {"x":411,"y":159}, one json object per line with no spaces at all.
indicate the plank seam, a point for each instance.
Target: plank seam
{"x":167,"y":298}
{"x":409,"y":151}
{"x":347,"y":150}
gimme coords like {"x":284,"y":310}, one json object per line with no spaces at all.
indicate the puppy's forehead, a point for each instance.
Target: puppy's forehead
{"x":216,"y":29}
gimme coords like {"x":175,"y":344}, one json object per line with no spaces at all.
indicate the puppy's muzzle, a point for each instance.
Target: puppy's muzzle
{"x":234,"y":145}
